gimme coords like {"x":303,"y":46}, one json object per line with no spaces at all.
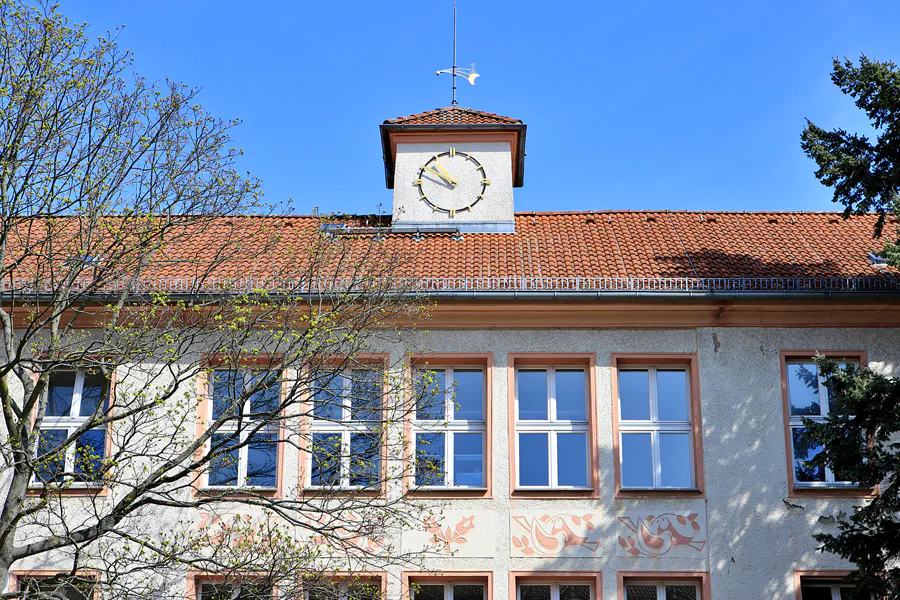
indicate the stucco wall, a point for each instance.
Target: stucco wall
{"x":755,"y":540}
{"x":497,"y":205}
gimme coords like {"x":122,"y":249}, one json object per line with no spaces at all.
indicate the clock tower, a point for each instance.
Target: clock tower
{"x":453,"y":169}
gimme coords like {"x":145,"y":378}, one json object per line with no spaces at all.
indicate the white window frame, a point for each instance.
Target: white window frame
{"x":554,"y":587}
{"x":345,"y":428}
{"x":450,"y":426}
{"x":70,"y":424}
{"x":834,"y":587}
{"x":553,"y":427}
{"x":655,"y":427}
{"x":661,"y":587}
{"x":247,"y":427}
{"x":448,"y":587}
{"x":796,"y":422}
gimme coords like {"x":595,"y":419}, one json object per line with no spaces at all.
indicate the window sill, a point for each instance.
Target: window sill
{"x":659,"y":493}
{"x":238,"y":492}
{"x":541,"y":492}
{"x":320,"y":490}
{"x":832,"y":491}
{"x":75,"y":489}
{"x":449,"y":492}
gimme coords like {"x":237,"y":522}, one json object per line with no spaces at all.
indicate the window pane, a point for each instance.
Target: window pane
{"x":571,"y":404}
{"x":468,"y":591}
{"x":428,"y":592}
{"x":675,"y":459}
{"x":532,"y":395}
{"x":574,"y":592}
{"x":640,"y":592}
{"x":365,"y":458}
{"x":265,"y":392}
{"x":534,"y":592}
{"x":328,"y":397}
{"x":571,"y":459}
{"x":223,"y":469}
{"x":829,"y":400}
{"x":89,"y":453}
{"x":469,"y":395}
{"x":637,"y":465}
{"x":262,"y":460}
{"x":681,"y":592}
{"x":365,"y":395}
{"x":534,"y":459}
{"x":846,"y":593}
{"x":227,"y":389}
{"x":48,"y":442}
{"x":468,"y":459}
{"x":671,"y":395}
{"x":634,"y":395}
{"x":62,"y":388}
{"x":819,"y":592}
{"x":430,"y":395}
{"x":803,"y":389}
{"x":429,"y":459}
{"x":326,"y":459}
{"x":804,"y":451}
{"x":93,"y":394}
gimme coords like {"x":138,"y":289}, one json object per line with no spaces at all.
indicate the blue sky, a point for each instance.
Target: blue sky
{"x":629,"y":105}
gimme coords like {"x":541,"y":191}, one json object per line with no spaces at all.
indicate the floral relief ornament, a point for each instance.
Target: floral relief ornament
{"x":444,"y":538}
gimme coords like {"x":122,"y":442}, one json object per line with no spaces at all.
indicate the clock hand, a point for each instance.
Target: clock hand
{"x":443,"y":174}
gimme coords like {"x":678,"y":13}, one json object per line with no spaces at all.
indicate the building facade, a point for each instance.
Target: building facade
{"x":628,"y":386}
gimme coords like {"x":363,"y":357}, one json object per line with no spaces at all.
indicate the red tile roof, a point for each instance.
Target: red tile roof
{"x":638,"y":244}
{"x":670,"y":250}
{"x":454,"y":115}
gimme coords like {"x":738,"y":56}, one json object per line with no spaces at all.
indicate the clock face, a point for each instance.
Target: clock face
{"x":452,"y":182}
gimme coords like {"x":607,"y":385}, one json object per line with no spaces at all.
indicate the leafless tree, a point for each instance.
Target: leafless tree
{"x":164,"y":347}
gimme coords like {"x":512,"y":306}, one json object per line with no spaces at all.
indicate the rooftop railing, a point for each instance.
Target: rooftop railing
{"x":437,"y":285}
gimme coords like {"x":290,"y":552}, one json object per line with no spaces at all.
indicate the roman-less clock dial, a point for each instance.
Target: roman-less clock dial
{"x":452,"y":182}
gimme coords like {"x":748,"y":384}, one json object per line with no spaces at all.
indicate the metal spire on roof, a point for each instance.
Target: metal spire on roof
{"x":469,"y":74}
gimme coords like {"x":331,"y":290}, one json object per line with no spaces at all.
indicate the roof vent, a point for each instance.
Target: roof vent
{"x":650,"y":218}
{"x":773,"y":219}
{"x":878,"y":260}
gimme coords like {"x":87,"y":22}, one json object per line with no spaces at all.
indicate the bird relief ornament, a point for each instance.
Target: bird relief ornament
{"x":655,"y":534}
{"x":539,"y":534}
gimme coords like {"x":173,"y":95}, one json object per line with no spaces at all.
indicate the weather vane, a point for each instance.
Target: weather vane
{"x":455,"y":71}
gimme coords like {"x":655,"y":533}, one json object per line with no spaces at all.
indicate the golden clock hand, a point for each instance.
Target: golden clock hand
{"x":443,"y":175}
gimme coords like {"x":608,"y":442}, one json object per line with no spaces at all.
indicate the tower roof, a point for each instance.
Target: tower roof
{"x":455,"y":120}
{"x":454,"y":115}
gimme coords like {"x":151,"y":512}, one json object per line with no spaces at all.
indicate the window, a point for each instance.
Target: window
{"x":554,"y":591}
{"x":346,"y":430}
{"x":249,"y":435}
{"x":449,"y":428}
{"x":552,"y":428}
{"x":232,"y":591}
{"x":808,"y":398}
{"x":57,"y":588}
{"x":336,"y":590}
{"x":681,"y":590}
{"x":655,"y":428}
{"x":459,"y":590}
{"x":825,"y":590}
{"x":74,"y":398}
